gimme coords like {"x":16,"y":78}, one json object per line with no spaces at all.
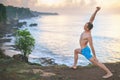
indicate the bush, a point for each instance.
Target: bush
{"x":24,"y":42}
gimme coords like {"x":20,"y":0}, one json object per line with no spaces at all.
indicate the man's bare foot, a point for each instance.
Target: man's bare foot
{"x":108,"y":75}
{"x":74,"y":67}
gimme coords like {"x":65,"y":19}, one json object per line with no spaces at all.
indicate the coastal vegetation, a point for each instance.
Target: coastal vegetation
{"x":3,"y":15}
{"x":8,"y":13}
{"x":24,"y":42}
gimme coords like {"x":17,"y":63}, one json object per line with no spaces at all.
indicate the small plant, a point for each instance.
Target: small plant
{"x":24,"y":42}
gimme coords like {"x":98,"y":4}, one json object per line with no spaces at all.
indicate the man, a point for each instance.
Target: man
{"x":85,"y":50}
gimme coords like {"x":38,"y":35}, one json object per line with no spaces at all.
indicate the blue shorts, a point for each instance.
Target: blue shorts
{"x":86,"y":52}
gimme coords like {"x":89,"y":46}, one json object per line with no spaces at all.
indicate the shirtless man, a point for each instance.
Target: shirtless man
{"x":85,"y":50}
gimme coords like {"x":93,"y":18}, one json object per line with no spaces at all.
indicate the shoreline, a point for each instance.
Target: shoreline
{"x":11,"y":69}
{"x":10,"y":50}
{"x":7,"y":33}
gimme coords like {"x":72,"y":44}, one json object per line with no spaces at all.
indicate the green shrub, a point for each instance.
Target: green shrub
{"x":24,"y":42}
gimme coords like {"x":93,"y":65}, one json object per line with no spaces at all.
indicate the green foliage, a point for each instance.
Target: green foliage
{"x":13,"y":12}
{"x":24,"y":41}
{"x":3,"y":16}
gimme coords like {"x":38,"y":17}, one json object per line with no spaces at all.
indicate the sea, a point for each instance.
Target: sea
{"x":57,"y":36}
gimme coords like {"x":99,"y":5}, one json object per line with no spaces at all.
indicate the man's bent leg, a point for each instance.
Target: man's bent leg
{"x":76,"y":52}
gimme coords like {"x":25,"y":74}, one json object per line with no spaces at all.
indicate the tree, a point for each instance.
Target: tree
{"x":24,"y":42}
{"x":3,"y":16}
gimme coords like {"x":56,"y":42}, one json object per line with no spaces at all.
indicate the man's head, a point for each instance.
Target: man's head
{"x":88,"y":26}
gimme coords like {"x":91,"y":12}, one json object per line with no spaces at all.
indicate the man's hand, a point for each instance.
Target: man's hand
{"x":98,"y":8}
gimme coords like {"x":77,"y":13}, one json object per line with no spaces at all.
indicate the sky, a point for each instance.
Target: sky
{"x":67,"y":6}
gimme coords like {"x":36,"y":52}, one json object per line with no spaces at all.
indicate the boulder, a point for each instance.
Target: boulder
{"x":47,"y":61}
{"x":33,"y":24}
{"x":20,"y":57}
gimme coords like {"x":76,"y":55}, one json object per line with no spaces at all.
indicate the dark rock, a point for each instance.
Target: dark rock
{"x":4,"y":40}
{"x":20,"y":57}
{"x":47,"y":61}
{"x":20,"y":24}
{"x":13,"y":21}
{"x":9,"y":35}
{"x":2,"y":55}
{"x":33,"y":24}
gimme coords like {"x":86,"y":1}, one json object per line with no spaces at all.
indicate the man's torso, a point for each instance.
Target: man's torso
{"x":84,"y":39}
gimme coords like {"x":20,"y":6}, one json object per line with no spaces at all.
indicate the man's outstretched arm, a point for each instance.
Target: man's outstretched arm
{"x":94,"y":14}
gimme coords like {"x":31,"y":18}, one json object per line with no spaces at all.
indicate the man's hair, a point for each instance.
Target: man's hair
{"x":90,"y":25}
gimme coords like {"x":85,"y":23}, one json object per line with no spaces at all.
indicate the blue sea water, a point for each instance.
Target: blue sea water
{"x":57,"y":36}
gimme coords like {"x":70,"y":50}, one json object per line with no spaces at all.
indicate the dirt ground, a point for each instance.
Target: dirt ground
{"x":11,"y":69}
{"x":84,"y":73}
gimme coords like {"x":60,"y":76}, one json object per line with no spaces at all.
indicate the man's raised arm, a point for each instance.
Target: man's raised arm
{"x":94,"y":14}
